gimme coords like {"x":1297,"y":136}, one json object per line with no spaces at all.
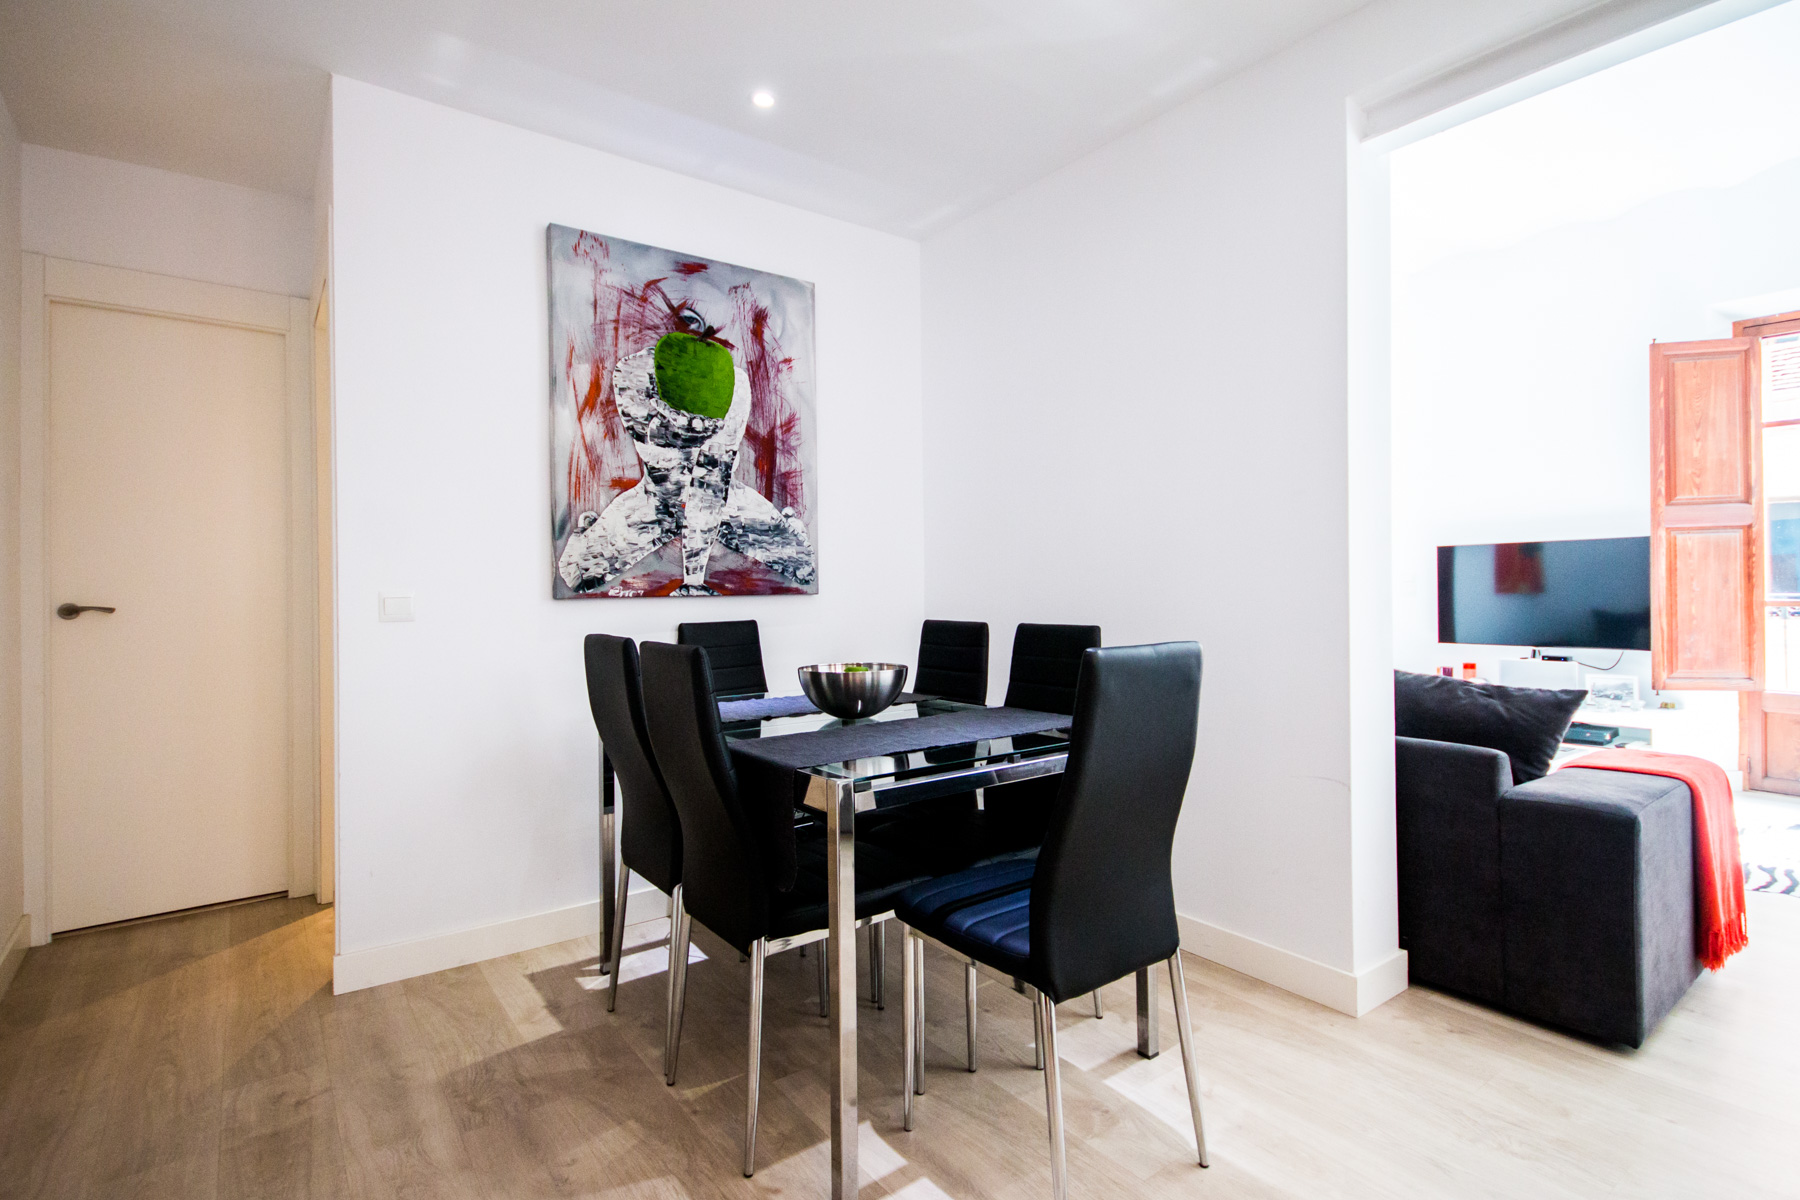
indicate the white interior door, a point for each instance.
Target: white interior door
{"x":167,"y":720}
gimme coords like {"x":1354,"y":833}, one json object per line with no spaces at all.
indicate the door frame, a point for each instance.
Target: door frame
{"x":1754,"y":706}
{"x":325,"y":595}
{"x":65,"y":281}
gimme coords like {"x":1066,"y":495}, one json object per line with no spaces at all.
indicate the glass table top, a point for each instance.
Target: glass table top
{"x":909,"y":765}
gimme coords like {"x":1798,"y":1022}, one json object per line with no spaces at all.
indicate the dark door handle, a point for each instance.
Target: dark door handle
{"x":69,"y":612}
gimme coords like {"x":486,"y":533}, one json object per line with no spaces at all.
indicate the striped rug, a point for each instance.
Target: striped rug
{"x":1771,"y":854}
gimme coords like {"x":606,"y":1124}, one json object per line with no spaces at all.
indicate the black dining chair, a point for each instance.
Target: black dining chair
{"x":650,"y":831}
{"x":953,"y":661}
{"x":735,"y":650}
{"x":1098,"y":904}
{"x":1046,"y":662}
{"x":952,"y":834}
{"x":953,"y":665}
{"x":732,"y":884}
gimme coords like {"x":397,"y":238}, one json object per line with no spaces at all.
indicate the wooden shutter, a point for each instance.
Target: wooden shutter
{"x":1705,"y":498}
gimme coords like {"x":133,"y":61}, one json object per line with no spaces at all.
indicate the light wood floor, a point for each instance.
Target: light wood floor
{"x":205,"y":1056}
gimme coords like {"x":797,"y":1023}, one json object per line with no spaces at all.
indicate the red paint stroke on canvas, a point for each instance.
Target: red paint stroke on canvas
{"x":772,"y":440}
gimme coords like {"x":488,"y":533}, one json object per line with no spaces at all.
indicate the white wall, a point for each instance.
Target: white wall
{"x":1521,"y":403}
{"x":122,"y":215}
{"x":12,"y":861}
{"x":467,"y":758}
{"x":1137,"y":376}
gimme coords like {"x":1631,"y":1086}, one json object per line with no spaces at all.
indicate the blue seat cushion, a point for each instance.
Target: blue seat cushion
{"x":984,"y":912}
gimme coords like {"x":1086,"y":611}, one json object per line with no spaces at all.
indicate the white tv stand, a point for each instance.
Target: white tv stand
{"x":1697,"y":731}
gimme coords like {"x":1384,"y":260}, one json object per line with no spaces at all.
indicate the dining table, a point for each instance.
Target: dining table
{"x":920,"y":748}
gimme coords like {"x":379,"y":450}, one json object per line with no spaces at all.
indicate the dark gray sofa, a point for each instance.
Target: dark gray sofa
{"x":1567,"y":900}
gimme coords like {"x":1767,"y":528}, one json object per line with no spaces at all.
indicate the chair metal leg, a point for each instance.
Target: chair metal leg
{"x":618,"y":937}
{"x":878,"y":964}
{"x":1059,"y":1167}
{"x":1178,"y":981}
{"x":970,"y":982}
{"x":758,"y":950}
{"x":679,"y":929}
{"x":909,"y":970}
{"x":824,"y":980}
{"x":1037,"y":1028}
{"x":610,"y":917}
{"x":918,"y":1028}
{"x":1099,"y":1006}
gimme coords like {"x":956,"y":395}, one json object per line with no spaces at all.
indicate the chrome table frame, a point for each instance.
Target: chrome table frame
{"x":840,"y":798}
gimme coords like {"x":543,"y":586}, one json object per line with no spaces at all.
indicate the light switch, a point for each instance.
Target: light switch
{"x":396,"y":607}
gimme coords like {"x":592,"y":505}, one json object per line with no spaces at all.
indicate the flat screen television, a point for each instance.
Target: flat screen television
{"x":1587,"y":594}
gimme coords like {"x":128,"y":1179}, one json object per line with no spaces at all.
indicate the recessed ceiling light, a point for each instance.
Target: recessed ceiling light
{"x":763,"y":99}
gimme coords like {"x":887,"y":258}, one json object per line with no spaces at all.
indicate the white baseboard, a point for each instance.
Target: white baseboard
{"x":13,"y":953}
{"x":1354,"y":993}
{"x":404,"y":960}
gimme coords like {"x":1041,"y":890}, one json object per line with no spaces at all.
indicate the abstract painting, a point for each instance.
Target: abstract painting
{"x":681,"y":424}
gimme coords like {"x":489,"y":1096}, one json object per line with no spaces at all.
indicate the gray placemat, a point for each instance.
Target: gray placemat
{"x":765,"y":708}
{"x":797,"y":751}
{"x":769,"y":708}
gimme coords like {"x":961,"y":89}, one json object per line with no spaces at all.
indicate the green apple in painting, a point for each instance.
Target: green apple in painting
{"x":694,"y":375}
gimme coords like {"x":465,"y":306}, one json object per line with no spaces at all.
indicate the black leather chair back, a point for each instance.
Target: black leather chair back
{"x":724,"y":879}
{"x":1046,"y":660}
{"x":1102,"y":901}
{"x":953,"y":661}
{"x":650,"y":833}
{"x":734,"y":648}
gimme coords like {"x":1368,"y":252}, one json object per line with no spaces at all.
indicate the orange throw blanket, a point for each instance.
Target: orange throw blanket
{"x":1722,"y":929}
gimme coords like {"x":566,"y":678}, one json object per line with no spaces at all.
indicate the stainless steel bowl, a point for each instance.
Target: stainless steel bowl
{"x":849,"y":693}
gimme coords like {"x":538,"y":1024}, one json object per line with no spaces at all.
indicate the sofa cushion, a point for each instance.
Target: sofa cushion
{"x":1525,"y":724}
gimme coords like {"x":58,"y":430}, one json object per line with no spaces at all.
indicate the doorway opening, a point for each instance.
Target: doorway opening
{"x":1537,"y":252}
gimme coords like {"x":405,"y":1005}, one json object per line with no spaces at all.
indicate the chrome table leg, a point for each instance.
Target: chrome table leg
{"x":970,"y":982}
{"x":824,"y":980}
{"x":1099,"y":1007}
{"x":909,"y":982}
{"x":878,"y":964}
{"x":840,"y":874}
{"x":918,"y":1026}
{"x":1178,"y":982}
{"x":1149,"y":1038}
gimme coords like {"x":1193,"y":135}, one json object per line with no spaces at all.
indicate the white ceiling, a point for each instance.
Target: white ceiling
{"x":1708,"y":112}
{"x":900,"y":114}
